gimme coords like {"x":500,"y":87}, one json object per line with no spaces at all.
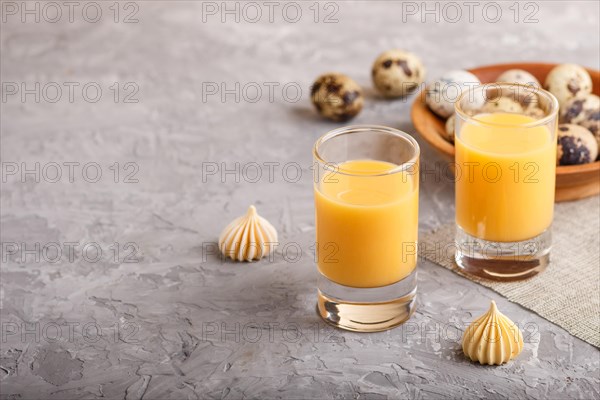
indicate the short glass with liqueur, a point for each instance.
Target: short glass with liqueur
{"x":366,"y":198}
{"x":505,"y":141}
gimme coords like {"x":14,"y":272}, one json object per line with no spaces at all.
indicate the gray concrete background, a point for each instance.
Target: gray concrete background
{"x":179,"y":322}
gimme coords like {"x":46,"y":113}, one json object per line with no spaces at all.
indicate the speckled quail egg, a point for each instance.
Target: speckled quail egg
{"x":592,"y":124}
{"x":518,"y":76}
{"x":450,"y":128}
{"x":579,"y":109}
{"x":576,"y":145}
{"x":567,"y":81}
{"x":441,"y":94}
{"x":503,"y":104}
{"x":534,"y":111}
{"x":337,"y":97}
{"x":530,"y":102}
{"x":396,"y":73}
{"x":584,"y":111}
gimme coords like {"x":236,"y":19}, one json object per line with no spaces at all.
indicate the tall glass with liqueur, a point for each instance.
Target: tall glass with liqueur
{"x":366,"y":199}
{"x":505,"y":177}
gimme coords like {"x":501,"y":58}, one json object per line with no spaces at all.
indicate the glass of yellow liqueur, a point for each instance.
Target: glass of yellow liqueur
{"x":505,"y":141}
{"x":366,"y":199}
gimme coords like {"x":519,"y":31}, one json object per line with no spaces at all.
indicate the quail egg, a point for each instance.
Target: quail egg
{"x":592,"y":124}
{"x":441,"y":94}
{"x":584,"y":111}
{"x":337,"y":97}
{"x":579,"y":109}
{"x":534,"y":111}
{"x":567,"y":81}
{"x":503,"y":104}
{"x":576,"y":145}
{"x":530,"y":103}
{"x":396,"y":73}
{"x":518,"y":76}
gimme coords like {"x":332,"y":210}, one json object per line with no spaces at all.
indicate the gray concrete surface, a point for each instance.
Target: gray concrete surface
{"x":178,"y":322}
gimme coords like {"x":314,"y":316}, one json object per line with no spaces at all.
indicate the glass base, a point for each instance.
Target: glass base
{"x":502,"y":261}
{"x":367,"y":309}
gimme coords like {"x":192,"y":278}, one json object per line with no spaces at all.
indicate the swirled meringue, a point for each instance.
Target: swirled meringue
{"x":248,"y":238}
{"x":492,"y":339}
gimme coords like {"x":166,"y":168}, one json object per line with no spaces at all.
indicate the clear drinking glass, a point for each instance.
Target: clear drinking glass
{"x":505,"y":176}
{"x":366,"y":198}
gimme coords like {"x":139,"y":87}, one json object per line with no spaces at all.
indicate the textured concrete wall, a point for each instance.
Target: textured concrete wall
{"x":178,"y":322}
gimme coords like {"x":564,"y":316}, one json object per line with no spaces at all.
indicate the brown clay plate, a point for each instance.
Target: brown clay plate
{"x":572,"y":181}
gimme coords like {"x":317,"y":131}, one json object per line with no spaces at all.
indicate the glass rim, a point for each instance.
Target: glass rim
{"x":345,"y":130}
{"x":552,"y":114}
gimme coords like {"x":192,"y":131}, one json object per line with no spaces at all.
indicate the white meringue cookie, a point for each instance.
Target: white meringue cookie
{"x":492,"y":339}
{"x":248,"y":238}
